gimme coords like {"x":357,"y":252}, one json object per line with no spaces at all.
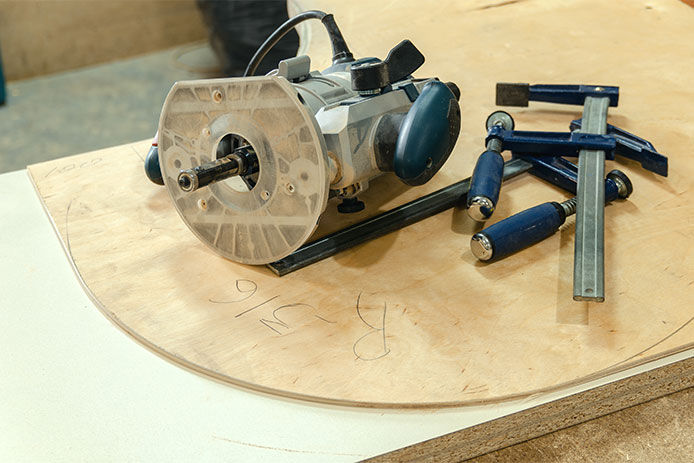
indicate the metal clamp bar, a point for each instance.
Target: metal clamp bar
{"x":589,"y":251}
{"x":386,"y":222}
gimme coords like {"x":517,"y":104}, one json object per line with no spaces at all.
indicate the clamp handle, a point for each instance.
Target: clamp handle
{"x":517,"y":232}
{"x":512,"y":94}
{"x":487,"y":176}
{"x":485,"y":185}
{"x":533,"y":225}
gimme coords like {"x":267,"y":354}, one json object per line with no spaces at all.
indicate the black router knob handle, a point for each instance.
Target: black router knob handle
{"x":401,"y":61}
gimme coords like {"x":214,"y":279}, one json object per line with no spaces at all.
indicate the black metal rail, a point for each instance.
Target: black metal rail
{"x":386,"y":222}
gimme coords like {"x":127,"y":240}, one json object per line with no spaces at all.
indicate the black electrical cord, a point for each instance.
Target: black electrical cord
{"x":341,"y":53}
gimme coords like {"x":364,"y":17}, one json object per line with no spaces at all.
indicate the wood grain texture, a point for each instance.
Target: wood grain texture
{"x":412,"y":319}
{"x":659,"y":430}
{"x":43,"y":36}
{"x":540,"y":420}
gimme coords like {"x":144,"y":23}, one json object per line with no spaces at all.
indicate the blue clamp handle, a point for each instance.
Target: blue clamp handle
{"x":633,"y":147}
{"x":518,"y":231}
{"x":485,"y":185}
{"x":526,"y":228}
{"x":517,"y":94}
{"x":427,"y":134}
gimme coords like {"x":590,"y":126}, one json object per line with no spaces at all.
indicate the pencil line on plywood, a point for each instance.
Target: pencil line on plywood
{"x":67,"y":232}
{"x":657,"y":343}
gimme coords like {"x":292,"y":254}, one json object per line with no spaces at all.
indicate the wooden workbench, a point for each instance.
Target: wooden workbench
{"x":395,"y":323}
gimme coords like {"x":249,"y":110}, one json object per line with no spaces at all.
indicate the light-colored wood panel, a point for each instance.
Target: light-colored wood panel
{"x":43,"y":36}
{"x":559,"y":414}
{"x":412,"y":319}
{"x":660,"y":430}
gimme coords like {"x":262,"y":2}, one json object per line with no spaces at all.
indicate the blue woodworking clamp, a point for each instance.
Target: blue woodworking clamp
{"x":592,"y":140}
{"x":486,"y":183}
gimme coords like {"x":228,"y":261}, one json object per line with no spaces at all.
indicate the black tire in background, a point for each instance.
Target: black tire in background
{"x":238,"y":27}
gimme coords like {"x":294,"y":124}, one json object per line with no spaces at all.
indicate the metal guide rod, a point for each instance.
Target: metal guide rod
{"x":386,"y":222}
{"x":589,"y":252}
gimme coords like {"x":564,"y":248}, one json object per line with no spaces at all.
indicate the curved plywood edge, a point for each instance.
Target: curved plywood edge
{"x":412,"y":319}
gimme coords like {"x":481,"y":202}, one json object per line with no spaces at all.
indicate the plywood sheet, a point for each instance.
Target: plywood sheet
{"x":412,"y":319}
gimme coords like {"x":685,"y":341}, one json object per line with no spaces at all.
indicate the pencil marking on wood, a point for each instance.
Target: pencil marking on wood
{"x":374,"y":330}
{"x":68,"y":167}
{"x":281,"y":449}
{"x":279,"y":322}
{"x":238,"y":288}
{"x":321,"y":318}
{"x":256,"y":306}
{"x":67,"y":230}
{"x":497,"y":5}
{"x":659,"y":342}
{"x":137,"y":154}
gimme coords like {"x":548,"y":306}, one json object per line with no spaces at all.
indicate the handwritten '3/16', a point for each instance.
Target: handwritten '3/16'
{"x":246,"y":289}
